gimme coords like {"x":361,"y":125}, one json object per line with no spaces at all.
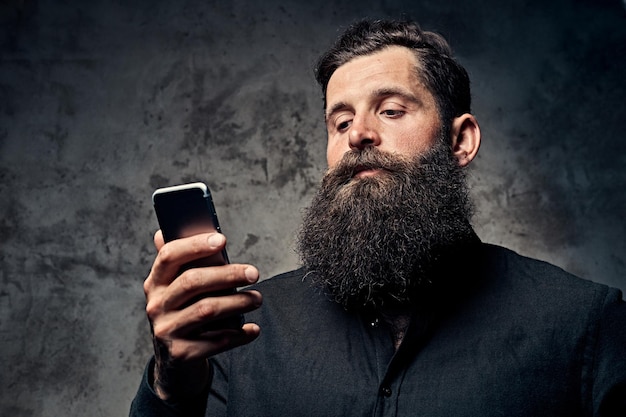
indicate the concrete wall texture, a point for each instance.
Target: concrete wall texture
{"x":103,"y":101}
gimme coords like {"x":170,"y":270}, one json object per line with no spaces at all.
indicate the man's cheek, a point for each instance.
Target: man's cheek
{"x":334,"y":153}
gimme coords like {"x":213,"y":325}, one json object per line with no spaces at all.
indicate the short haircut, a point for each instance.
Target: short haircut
{"x":442,"y":75}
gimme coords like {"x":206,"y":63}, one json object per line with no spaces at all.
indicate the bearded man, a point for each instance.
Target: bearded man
{"x":398,"y":308}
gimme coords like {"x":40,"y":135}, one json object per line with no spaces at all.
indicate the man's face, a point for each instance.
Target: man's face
{"x":378,"y":100}
{"x":393,"y":208}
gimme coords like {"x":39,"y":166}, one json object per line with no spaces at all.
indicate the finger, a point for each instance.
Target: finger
{"x":173,"y":255}
{"x":212,"y":343}
{"x":188,"y":322}
{"x":228,"y":339}
{"x":158,"y":239}
{"x":196,"y":281}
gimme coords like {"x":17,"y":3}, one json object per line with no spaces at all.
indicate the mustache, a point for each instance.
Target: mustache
{"x":355,"y":161}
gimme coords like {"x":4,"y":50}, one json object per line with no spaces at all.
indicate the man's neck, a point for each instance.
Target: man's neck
{"x":399,"y":323}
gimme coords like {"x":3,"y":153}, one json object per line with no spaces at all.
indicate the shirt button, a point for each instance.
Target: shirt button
{"x":374,"y":322}
{"x":385,"y":391}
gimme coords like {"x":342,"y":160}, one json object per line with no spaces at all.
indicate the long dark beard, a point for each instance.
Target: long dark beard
{"x":378,"y":241}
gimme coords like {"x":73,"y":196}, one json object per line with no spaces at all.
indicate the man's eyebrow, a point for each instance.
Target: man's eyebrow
{"x":402,"y":93}
{"x":334,"y":109}
{"x":379,"y":93}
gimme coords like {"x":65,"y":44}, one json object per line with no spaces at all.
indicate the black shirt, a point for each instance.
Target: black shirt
{"x":505,"y":336}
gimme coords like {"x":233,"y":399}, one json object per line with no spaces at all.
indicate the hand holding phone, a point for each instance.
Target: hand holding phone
{"x":186,"y":210}
{"x":191,"y":316}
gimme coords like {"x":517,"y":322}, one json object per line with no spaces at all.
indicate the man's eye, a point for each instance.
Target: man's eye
{"x":343,"y":125}
{"x":392,"y":113}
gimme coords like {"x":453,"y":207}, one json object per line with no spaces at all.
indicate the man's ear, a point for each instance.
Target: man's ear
{"x":465,"y":134}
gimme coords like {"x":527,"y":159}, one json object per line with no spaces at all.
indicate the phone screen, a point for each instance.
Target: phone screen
{"x":185,"y":210}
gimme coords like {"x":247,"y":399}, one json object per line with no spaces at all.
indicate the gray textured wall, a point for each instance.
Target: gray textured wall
{"x":101,"y":103}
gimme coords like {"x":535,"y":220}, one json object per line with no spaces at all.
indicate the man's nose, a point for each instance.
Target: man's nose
{"x":363,"y":133}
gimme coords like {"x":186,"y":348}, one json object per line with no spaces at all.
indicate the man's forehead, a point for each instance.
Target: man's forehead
{"x":396,"y":62}
{"x":391,"y":71}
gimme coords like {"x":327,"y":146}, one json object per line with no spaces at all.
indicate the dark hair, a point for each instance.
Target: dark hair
{"x":445,"y":78}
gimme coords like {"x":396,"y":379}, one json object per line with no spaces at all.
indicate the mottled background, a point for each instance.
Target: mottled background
{"x":102,"y":101}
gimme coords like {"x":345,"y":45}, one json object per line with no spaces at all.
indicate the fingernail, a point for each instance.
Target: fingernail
{"x":216,"y":240}
{"x":252,"y":275}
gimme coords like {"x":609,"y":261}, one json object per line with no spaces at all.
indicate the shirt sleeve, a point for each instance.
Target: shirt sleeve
{"x":148,"y":404}
{"x":609,"y":388}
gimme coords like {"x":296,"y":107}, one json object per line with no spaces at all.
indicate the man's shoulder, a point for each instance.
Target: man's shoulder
{"x":290,"y":290}
{"x":286,"y":280}
{"x":293,"y":303}
{"x":512,"y":262}
{"x":529,"y":274}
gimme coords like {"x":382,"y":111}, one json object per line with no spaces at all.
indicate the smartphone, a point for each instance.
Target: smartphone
{"x":183,"y":211}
